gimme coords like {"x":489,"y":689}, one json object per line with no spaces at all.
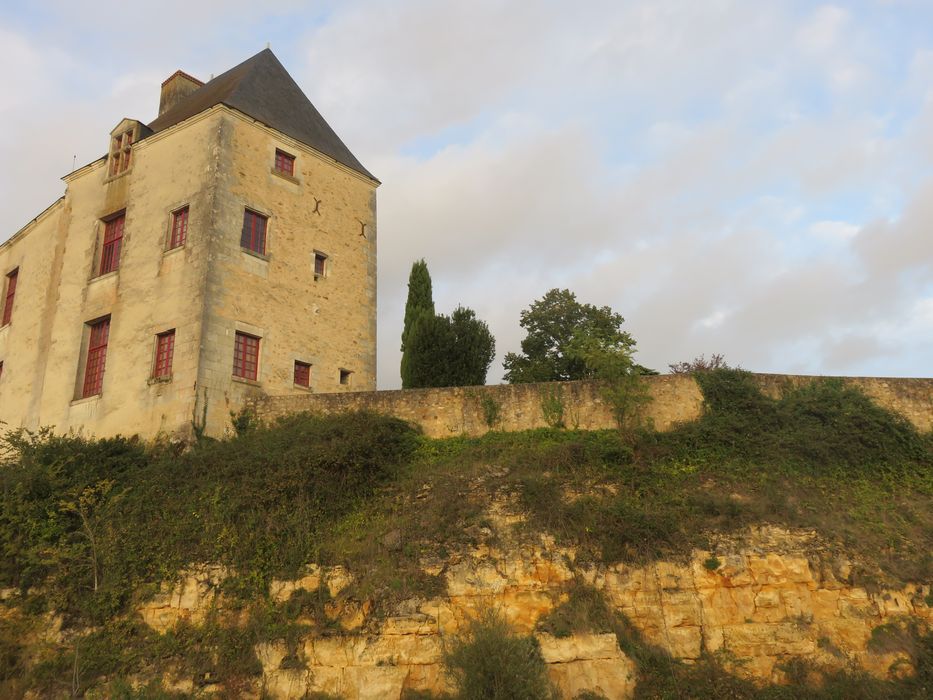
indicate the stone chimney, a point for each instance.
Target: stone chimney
{"x":176,"y":88}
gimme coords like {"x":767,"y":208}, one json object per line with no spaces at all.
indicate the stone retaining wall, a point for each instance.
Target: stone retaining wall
{"x":676,"y":398}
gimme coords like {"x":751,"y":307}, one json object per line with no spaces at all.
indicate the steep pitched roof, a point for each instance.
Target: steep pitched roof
{"x":263,"y":89}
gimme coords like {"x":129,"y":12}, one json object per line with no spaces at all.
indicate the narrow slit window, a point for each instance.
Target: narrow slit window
{"x":113,"y":242}
{"x":320,"y":265}
{"x":246,"y":356}
{"x":302,"y":373}
{"x":96,"y":357}
{"x":179,"y":228}
{"x":345,"y":376}
{"x":254,"y":232}
{"x":165,"y":352}
{"x":284,"y":163}
{"x":8,"y":296}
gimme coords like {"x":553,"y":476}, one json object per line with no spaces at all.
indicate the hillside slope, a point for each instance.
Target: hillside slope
{"x":772,"y":548}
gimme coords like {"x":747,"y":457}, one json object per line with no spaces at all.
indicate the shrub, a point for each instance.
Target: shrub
{"x":490,"y":662}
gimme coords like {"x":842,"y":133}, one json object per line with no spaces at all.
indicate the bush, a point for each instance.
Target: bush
{"x":90,"y":520}
{"x":490,"y":662}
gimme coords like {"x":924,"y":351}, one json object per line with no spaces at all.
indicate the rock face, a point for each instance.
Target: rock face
{"x":762,"y":599}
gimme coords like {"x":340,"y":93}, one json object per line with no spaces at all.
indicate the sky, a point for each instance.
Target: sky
{"x":753,"y":179}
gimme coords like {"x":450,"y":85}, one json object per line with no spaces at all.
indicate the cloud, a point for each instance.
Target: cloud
{"x":744,"y":178}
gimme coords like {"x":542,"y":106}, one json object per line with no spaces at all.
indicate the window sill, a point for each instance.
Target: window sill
{"x":253,"y":254}
{"x":304,"y":388}
{"x":285,"y":176}
{"x":106,"y":275}
{"x":169,"y":251}
{"x":244,"y":380}
{"x":159,"y":380}
{"x":86,"y":399}
{"x":117,"y":176}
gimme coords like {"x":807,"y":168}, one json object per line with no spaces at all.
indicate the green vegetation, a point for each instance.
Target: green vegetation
{"x":420,"y":303}
{"x":439,"y":350}
{"x":490,"y":662}
{"x":453,"y":350}
{"x":551,"y":325}
{"x":89,"y":528}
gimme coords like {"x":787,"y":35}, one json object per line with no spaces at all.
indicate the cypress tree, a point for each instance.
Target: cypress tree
{"x":420,"y":303}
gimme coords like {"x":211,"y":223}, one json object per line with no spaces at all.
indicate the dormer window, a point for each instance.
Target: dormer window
{"x":121,"y":151}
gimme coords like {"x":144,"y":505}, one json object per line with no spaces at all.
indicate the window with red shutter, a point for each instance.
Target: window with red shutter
{"x":246,"y":356}
{"x":302,"y":373}
{"x":165,"y":351}
{"x":284,"y":163}
{"x":8,"y":296}
{"x":113,"y":241}
{"x":254,"y":232}
{"x":96,"y":357}
{"x":179,"y":228}
{"x":320,"y":265}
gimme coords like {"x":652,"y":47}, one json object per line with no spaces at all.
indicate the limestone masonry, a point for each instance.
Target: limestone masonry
{"x":225,"y":250}
{"x":675,"y":399}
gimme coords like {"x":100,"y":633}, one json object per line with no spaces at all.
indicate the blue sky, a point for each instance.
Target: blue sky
{"x":753,"y":179}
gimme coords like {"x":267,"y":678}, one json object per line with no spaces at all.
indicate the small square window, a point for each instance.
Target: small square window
{"x":345,"y":376}
{"x":164,"y":354}
{"x":284,"y":163}
{"x":179,"y":228}
{"x":113,"y":242}
{"x":8,"y":296}
{"x":246,"y":356}
{"x":302,"y":373}
{"x":320,"y":265}
{"x":253,"y":236}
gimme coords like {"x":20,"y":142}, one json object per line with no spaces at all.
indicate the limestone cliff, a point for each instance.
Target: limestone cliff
{"x":760,"y":600}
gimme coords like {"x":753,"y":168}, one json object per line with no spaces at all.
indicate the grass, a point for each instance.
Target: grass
{"x":88,"y":527}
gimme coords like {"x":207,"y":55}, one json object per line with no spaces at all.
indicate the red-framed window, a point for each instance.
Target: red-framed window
{"x":165,"y":351}
{"x":302,"y":373}
{"x":254,"y":232}
{"x":113,"y":241}
{"x":96,"y":357}
{"x":179,"y":228}
{"x":246,"y":356}
{"x":284,"y":163}
{"x":8,"y":296}
{"x":320,"y":265}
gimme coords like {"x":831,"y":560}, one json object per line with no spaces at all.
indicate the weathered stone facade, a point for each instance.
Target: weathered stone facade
{"x":217,"y":163}
{"x":674,"y":399}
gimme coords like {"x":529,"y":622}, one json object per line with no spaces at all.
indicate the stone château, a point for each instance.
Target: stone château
{"x":223,"y":251}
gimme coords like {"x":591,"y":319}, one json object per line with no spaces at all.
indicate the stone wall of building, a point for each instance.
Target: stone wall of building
{"x":326,"y":321}
{"x":468,"y":410}
{"x":216,"y":163}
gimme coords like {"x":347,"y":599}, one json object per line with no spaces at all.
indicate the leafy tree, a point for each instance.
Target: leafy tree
{"x":451,"y":350}
{"x":552,"y":323}
{"x":700,"y":364}
{"x":420,"y":304}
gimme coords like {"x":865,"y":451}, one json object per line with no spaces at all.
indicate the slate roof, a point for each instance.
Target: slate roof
{"x":261,"y":88}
